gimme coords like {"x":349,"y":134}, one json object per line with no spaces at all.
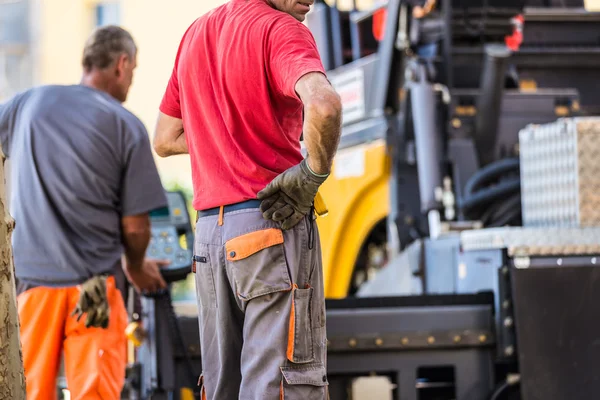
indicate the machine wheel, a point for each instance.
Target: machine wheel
{"x":373,"y":257}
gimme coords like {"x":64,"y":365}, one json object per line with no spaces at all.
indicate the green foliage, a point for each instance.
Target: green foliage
{"x":184,"y":290}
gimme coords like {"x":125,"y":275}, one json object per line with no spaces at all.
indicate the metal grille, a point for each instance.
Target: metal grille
{"x":534,"y":241}
{"x":560,"y":173}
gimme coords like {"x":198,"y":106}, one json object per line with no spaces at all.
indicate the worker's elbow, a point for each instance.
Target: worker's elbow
{"x":160,"y":148}
{"x":136,"y":227}
{"x":335,"y":105}
{"x":137,"y":234}
{"x":328,"y":107}
{"x":161,"y":152}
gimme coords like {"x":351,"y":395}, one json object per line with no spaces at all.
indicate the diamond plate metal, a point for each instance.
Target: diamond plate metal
{"x":534,"y":241}
{"x":560,"y":173}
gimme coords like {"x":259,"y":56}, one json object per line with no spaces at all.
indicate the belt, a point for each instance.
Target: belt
{"x":228,"y":208}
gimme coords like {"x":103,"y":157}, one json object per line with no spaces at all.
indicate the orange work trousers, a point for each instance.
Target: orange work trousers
{"x":94,"y":358}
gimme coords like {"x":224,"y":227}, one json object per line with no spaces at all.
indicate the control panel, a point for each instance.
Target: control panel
{"x":170,"y":226}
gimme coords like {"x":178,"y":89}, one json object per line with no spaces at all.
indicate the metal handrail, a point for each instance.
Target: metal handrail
{"x":360,"y":16}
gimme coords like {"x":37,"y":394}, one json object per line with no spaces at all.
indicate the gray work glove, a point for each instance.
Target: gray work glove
{"x":290,"y":196}
{"x":93,"y":302}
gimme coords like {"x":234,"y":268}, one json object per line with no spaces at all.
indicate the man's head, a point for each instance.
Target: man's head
{"x":109,"y":58}
{"x":296,"y":8}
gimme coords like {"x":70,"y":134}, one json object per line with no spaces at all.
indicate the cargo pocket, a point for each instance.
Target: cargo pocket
{"x":300,"y":335}
{"x":205,"y":281}
{"x":258,"y":263}
{"x":309,"y":382}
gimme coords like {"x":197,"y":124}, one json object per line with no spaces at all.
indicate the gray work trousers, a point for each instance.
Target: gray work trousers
{"x":261,"y":308}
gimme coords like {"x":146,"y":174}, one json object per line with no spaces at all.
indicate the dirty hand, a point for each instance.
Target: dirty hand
{"x":290,"y":196}
{"x":147,"y":277}
{"x":93,"y":302}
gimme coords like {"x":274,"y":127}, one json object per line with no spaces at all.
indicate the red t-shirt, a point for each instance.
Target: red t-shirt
{"x":233,"y":85}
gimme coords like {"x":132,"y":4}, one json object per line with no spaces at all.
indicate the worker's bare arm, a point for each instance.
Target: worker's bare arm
{"x":144,"y":274}
{"x":322,"y":120}
{"x":169,"y":137}
{"x":136,"y":236}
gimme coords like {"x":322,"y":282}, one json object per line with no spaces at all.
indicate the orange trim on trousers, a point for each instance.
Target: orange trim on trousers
{"x":95,"y":359}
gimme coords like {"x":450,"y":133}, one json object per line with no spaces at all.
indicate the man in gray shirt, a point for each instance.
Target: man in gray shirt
{"x":83,"y":182}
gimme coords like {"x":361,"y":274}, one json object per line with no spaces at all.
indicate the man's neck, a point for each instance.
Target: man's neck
{"x":95,"y":81}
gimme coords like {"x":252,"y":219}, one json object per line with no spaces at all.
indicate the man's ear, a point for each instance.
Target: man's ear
{"x":121,"y":64}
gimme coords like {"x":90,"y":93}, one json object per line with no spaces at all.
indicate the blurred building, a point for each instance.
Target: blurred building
{"x":15,"y":47}
{"x":41,"y":43}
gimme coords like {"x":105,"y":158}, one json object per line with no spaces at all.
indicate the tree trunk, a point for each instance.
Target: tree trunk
{"x":12,"y":377}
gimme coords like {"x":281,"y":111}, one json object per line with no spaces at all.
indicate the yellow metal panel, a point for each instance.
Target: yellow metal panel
{"x":357,"y":197}
{"x":186,"y":394}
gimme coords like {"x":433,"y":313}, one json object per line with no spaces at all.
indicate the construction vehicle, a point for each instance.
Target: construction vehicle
{"x":550,"y":76}
{"x":468,"y":154}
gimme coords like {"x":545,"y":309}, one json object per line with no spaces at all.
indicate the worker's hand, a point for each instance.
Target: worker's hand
{"x":93,"y":302}
{"x":418,"y":12}
{"x":290,"y":196}
{"x":147,"y":278}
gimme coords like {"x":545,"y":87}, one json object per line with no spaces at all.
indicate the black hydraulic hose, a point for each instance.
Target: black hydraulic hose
{"x":498,"y":209}
{"x":510,"y":205}
{"x":487,"y":216}
{"x":177,"y":334}
{"x":499,"y":213}
{"x":500,"y":190}
{"x":506,"y":385}
{"x":499,"y":390}
{"x":490,"y":172}
{"x":514,"y":214}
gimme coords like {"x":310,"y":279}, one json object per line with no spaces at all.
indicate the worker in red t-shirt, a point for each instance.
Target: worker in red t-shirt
{"x":247,"y":83}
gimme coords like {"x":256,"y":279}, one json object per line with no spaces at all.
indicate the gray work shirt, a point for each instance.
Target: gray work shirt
{"x":79,"y":163}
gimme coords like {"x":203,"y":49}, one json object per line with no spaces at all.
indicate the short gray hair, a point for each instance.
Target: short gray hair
{"x":105,"y":45}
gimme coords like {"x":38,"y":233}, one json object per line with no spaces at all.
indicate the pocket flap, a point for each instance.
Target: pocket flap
{"x":313,"y":374}
{"x":245,"y":245}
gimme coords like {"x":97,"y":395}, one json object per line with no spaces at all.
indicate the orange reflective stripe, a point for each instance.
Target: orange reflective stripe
{"x":244,"y":246}
{"x":292,"y":329}
{"x":281,"y":391}
{"x":202,"y":388}
{"x":221,"y":215}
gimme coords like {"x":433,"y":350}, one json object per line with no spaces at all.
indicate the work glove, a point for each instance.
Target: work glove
{"x":93,"y":302}
{"x":290,"y":196}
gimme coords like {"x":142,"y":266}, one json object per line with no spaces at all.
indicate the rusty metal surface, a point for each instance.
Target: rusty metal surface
{"x":588,"y":150}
